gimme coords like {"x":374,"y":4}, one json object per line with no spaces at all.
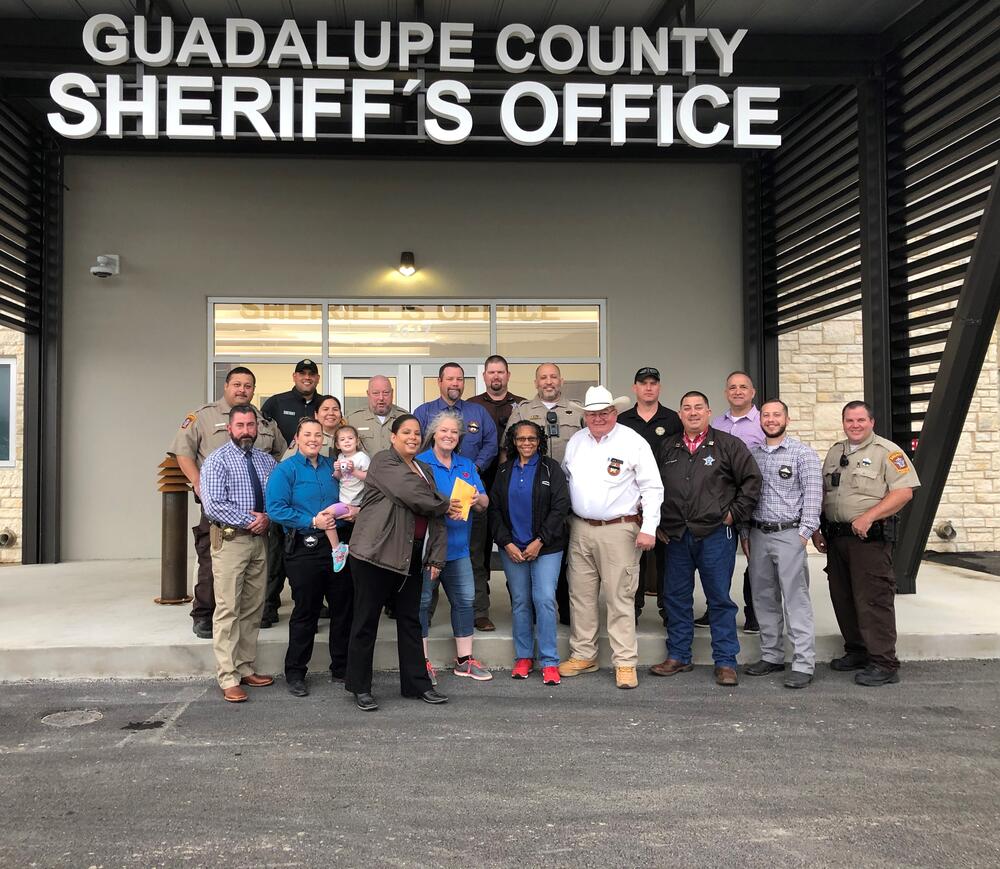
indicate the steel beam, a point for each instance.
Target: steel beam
{"x":760,"y":346}
{"x":962,"y":361}
{"x":874,"y":238}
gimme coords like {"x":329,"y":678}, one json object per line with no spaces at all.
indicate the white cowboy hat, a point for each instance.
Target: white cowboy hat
{"x":599,"y":398}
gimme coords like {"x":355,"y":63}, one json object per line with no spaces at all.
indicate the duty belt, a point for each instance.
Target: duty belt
{"x":876,"y":534}
{"x":231,"y":531}
{"x":773,"y":527}
{"x":598,"y":522}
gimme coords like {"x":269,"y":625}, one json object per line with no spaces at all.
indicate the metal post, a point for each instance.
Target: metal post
{"x":874,"y":252}
{"x":173,"y":552}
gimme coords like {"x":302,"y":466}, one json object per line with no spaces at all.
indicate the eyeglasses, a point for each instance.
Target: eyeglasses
{"x":599,"y":414}
{"x":526,"y":440}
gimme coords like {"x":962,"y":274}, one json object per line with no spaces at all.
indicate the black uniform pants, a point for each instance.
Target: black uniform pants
{"x":275,"y":568}
{"x":203,"y":607}
{"x":863,"y":591}
{"x":373,"y":588}
{"x":652,"y":568}
{"x":311,"y":577}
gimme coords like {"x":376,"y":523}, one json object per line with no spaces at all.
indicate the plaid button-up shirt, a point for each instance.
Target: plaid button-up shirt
{"x":793,"y":484}
{"x":226,"y":491}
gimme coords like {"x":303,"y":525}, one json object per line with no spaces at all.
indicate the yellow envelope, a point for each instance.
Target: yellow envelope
{"x":464,"y":493}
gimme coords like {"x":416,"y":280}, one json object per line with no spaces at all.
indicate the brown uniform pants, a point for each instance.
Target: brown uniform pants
{"x":863,"y":591}
{"x":204,"y":589}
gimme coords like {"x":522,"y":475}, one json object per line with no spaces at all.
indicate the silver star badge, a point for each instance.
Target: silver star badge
{"x":709,"y":461}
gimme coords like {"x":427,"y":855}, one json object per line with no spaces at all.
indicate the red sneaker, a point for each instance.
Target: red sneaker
{"x":550,"y":675}
{"x":522,"y":667}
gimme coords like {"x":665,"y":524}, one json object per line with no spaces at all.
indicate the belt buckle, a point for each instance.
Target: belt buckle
{"x":228,"y":532}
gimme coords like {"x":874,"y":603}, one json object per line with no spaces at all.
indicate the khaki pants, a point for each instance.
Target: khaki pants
{"x":240,"y":569}
{"x":603,"y":555}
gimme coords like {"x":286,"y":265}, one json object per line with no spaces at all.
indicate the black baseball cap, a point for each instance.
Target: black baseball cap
{"x":644,"y":373}
{"x":306,"y":365}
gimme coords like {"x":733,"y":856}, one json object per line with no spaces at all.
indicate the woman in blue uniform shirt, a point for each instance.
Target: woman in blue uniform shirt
{"x":441,"y":453}
{"x":299,"y":491}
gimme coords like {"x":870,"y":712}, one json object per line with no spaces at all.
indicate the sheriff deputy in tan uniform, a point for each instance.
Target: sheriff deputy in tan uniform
{"x":550,"y":410}
{"x":374,"y":423}
{"x":202,"y":432}
{"x":866,"y":481}
{"x":560,"y":421}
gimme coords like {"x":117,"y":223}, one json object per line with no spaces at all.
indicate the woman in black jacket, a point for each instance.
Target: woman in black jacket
{"x":528,"y":509}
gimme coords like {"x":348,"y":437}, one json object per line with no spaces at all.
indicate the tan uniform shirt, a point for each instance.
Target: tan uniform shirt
{"x":205,"y":430}
{"x":874,"y":469}
{"x":570,"y":422}
{"x":374,"y":434}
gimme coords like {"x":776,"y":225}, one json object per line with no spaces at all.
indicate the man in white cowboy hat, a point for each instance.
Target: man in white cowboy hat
{"x":616,"y":491}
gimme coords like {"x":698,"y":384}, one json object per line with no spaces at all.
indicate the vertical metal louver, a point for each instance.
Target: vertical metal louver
{"x":810,"y":217}
{"x":942,"y":143}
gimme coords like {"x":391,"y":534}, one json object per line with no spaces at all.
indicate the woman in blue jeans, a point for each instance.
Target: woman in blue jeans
{"x":529,"y":505}
{"x":441,"y":452}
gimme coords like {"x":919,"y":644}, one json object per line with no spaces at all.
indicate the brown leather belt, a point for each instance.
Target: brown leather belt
{"x":598,"y":522}
{"x":230,"y":531}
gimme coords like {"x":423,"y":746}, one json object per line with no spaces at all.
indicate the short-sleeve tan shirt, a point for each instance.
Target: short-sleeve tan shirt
{"x":534,"y":409}
{"x":874,"y":469}
{"x":205,"y":430}
{"x":374,"y":435}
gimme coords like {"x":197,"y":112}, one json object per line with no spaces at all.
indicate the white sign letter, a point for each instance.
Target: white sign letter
{"x":289,"y":44}
{"x":689,"y":132}
{"x":361,"y":109}
{"x":90,"y":118}
{"x":178,"y":105}
{"x":147,"y":107}
{"x":725,"y":50}
{"x":622,"y":112}
{"x":745,"y":114}
{"x":450,"y":45}
{"x":374,"y":61}
{"x":232,"y":87}
{"x":117,"y":50}
{"x":312,"y":108}
{"x":507,"y":63}
{"x":550,"y":113}
{"x":253,"y":57}
{"x":198,"y":43}
{"x":442,"y":108}
{"x":142,"y":52}
{"x":573,"y":112}
{"x":570,"y":34}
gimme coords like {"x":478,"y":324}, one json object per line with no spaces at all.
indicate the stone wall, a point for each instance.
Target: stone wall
{"x":12,"y":345}
{"x":822,"y":369}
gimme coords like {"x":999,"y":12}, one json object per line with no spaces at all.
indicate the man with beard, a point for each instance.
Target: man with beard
{"x":711,"y":484}
{"x":287,"y":408}
{"x":785,"y":518}
{"x":233,"y":478}
{"x":499,"y":404}
{"x":560,"y":422}
{"x":202,"y":432}
{"x":374,"y":423}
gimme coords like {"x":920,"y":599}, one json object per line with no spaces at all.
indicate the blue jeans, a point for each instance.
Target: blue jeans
{"x":459,"y":584}
{"x":715,"y":558}
{"x":532,"y":584}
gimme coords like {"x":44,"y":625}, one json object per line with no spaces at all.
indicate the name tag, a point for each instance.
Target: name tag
{"x":288,"y":412}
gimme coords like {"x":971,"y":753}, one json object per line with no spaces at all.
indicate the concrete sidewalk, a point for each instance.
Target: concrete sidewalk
{"x":97,"y":619}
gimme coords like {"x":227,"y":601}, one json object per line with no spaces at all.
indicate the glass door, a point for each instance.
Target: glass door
{"x":349,"y":383}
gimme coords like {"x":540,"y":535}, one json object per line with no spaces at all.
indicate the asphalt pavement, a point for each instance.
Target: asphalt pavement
{"x":679,"y":772}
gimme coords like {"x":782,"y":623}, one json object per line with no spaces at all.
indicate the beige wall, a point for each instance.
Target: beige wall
{"x":660,"y":242}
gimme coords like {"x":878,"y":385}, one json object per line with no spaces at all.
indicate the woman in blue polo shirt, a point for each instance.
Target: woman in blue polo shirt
{"x":441,"y":453}
{"x":299,"y":491}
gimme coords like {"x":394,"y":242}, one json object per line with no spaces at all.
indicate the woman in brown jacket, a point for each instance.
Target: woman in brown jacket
{"x":398,"y":534}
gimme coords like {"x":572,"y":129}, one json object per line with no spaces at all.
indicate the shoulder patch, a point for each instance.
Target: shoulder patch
{"x":190,"y":418}
{"x":898,"y":461}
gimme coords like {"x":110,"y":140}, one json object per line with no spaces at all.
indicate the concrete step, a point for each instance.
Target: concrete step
{"x":97,"y":620}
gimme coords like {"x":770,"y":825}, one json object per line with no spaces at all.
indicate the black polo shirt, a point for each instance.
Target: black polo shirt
{"x":664,"y":424}
{"x":287,"y":408}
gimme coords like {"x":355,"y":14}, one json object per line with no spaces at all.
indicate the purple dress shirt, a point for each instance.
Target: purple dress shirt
{"x":746,"y":428}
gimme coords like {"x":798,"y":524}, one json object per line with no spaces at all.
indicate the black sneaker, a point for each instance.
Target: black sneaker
{"x":297,"y":687}
{"x":751,"y":626}
{"x":702,"y":622}
{"x":762,"y":668}
{"x":202,"y":629}
{"x":798,"y":679}
{"x":268,"y":619}
{"x":850,"y":661}
{"x":873,"y":676}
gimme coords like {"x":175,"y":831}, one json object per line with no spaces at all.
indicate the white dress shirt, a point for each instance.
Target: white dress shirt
{"x":610,"y":477}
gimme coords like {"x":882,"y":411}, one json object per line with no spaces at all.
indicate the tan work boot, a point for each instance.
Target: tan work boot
{"x":575,"y":666}
{"x":625,"y":677}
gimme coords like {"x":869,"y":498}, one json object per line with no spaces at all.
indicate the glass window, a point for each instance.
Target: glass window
{"x":261,"y":331}
{"x":577,"y":377}
{"x":271,"y":377}
{"x":356,"y":393}
{"x":7,"y":412}
{"x":565,"y":331}
{"x":417,"y":332}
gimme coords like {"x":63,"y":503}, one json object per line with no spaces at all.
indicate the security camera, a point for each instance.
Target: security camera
{"x":106,"y":266}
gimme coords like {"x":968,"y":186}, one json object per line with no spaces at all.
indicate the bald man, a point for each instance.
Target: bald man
{"x":374,"y":423}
